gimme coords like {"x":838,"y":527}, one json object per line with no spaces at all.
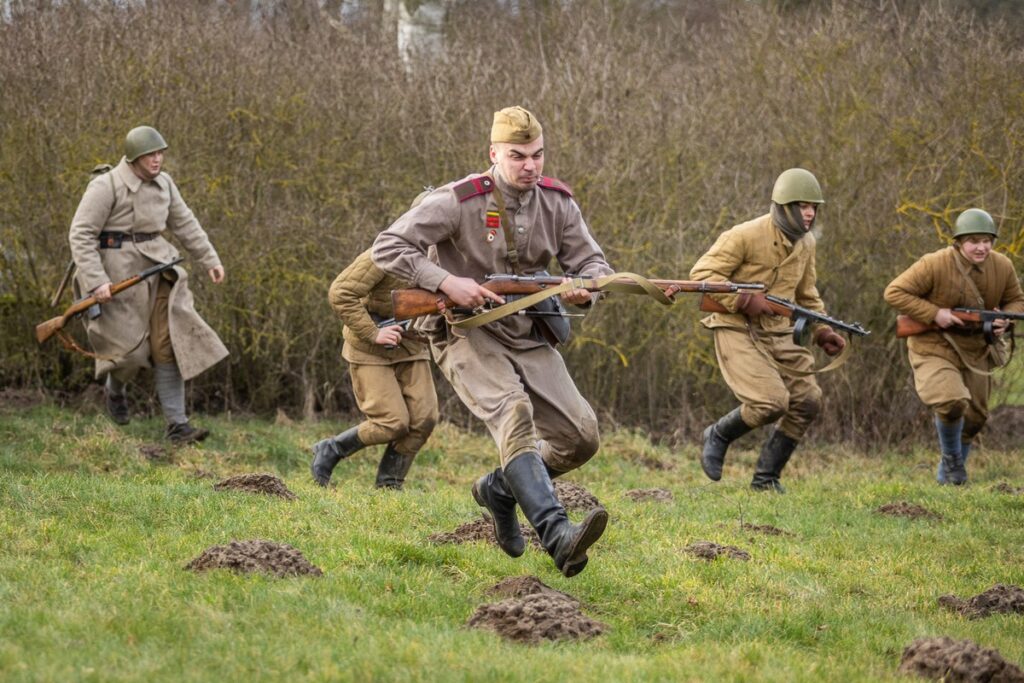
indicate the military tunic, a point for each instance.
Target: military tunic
{"x":942,"y":376}
{"x":120,"y":201}
{"x":505,"y":372}
{"x":758,"y":251}
{"x":393,"y":387}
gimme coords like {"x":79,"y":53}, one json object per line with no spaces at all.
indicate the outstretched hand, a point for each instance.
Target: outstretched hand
{"x":216,"y":274}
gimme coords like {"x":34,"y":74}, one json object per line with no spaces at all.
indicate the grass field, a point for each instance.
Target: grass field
{"x":94,"y":537}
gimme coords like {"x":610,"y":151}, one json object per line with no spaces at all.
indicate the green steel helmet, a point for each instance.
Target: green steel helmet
{"x":975,"y":222}
{"x":141,"y":141}
{"x":797,"y":185}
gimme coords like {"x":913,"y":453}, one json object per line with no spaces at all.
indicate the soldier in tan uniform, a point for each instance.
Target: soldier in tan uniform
{"x":770,"y":374}
{"x":117,"y":232}
{"x":952,"y":365}
{"x":390,"y":378}
{"x":510,"y":219}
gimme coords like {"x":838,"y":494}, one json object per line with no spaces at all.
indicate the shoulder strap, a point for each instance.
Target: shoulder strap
{"x":554,"y":184}
{"x":473,"y":187}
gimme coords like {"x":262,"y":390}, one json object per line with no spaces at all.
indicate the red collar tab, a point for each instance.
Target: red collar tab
{"x":554,"y":184}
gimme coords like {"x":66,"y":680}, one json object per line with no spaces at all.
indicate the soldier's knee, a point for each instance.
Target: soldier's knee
{"x":808,"y":407}
{"x":766,"y":410}
{"x":951,"y":411}
{"x":423,"y":425}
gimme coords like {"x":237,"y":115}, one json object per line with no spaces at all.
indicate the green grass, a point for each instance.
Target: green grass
{"x":94,"y":538}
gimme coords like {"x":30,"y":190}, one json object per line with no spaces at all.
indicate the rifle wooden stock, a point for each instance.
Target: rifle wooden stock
{"x":709,"y":305}
{"x":414,"y":303}
{"x":908,"y":327}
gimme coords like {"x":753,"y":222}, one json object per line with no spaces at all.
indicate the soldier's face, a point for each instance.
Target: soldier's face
{"x":520,"y":165}
{"x":807,"y":213}
{"x":148,"y":166}
{"x":975,"y":248}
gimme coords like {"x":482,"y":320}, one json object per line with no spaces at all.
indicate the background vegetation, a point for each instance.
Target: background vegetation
{"x":296,"y":139}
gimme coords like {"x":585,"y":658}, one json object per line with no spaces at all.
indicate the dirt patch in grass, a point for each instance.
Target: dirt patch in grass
{"x":902,"y":508}
{"x":261,"y":482}
{"x":655,"y":495}
{"x":521,"y":586}
{"x":954,"y":661}
{"x":766,"y":529}
{"x":574,"y":496}
{"x":1003,"y":487}
{"x":154,"y":453}
{"x":536,"y":617}
{"x":12,"y":400}
{"x":244,"y":557}
{"x":708,"y":550}
{"x":1000,"y":598}
{"x":481,"y":529}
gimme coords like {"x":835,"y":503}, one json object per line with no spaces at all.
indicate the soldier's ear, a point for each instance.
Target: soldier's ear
{"x":494,"y":154}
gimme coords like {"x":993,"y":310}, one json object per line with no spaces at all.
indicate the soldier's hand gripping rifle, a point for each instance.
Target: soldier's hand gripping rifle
{"x":54,"y":325}
{"x":413,"y":303}
{"x":908,"y":327}
{"x":801,"y":316}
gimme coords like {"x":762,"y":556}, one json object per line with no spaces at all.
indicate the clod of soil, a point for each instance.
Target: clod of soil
{"x":154,"y":453}
{"x":480,"y":530}
{"x":956,"y":661}
{"x":999,"y":598}
{"x":243,"y":557}
{"x":574,"y":496}
{"x":904,"y":509}
{"x":707,"y":550}
{"x":262,"y":482}
{"x":1003,"y":487}
{"x":657,"y":465}
{"x":537,"y":617}
{"x":521,"y":586}
{"x":767,"y":529}
{"x":657,"y":495}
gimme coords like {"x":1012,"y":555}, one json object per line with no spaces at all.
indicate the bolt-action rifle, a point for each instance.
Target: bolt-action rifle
{"x":54,"y":325}
{"x":801,"y":316}
{"x":908,"y":327}
{"x":413,"y":303}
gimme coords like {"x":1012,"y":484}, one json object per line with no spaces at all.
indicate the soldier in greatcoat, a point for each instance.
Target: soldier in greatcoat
{"x":510,"y":219}
{"x":770,"y":374}
{"x":953,"y":363}
{"x":390,"y":374}
{"x":117,"y":232}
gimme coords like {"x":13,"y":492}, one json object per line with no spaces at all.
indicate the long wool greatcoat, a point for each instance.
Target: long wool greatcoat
{"x":119,"y":201}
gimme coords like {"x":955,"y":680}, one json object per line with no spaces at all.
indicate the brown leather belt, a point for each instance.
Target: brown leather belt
{"x":113,"y":240}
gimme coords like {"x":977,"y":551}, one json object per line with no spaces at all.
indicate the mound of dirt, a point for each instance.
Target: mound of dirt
{"x":521,"y":586}
{"x":766,"y":529}
{"x":536,"y":617}
{"x":481,"y":529}
{"x":1005,"y":427}
{"x":999,"y":598}
{"x":154,"y":453}
{"x":957,"y":661}
{"x":243,"y":557}
{"x":904,"y":509}
{"x":574,"y":496}
{"x":656,"y":495}
{"x":12,"y":400}
{"x":1003,"y":487}
{"x":707,"y":550}
{"x":261,"y":482}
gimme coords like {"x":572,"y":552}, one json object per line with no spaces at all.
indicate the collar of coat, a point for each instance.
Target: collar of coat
{"x":133,"y":182}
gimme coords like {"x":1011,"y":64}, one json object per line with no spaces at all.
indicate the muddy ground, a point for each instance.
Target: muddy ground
{"x":481,"y":529}
{"x":244,"y":557}
{"x":708,"y":550}
{"x":902,"y":508}
{"x":521,"y":586}
{"x":532,"y":618}
{"x":956,"y":661}
{"x":574,"y":496}
{"x":261,"y":482}
{"x":998,"y":599}
{"x":766,"y":529}
{"x":1003,"y":487}
{"x":653,"y":495}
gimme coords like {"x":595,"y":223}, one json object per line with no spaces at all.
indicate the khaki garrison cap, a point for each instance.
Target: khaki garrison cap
{"x":515,"y":125}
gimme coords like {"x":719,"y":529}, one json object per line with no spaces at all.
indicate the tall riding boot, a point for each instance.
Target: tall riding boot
{"x":327,"y":453}
{"x":951,"y":464}
{"x":774,"y":455}
{"x":717,"y":438}
{"x":566,"y":543}
{"x":392,"y":468}
{"x":491,"y":491}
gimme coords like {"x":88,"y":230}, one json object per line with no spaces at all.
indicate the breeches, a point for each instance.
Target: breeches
{"x":525,"y":397}
{"x":399,"y":402}
{"x":766,"y":392}
{"x":159,"y":327}
{"x":952,"y":391}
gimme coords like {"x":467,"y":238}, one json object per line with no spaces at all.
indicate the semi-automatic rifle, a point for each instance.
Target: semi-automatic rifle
{"x":979,"y":319}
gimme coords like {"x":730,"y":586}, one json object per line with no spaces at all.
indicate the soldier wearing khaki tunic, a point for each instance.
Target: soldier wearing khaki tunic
{"x":952,"y":363}
{"x":117,"y":232}
{"x":506,"y":372}
{"x":390,"y":378}
{"x":770,"y":374}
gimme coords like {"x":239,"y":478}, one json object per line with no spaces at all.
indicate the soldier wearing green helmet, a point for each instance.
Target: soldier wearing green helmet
{"x":119,"y":231}
{"x":952,"y":362}
{"x":753,"y":345}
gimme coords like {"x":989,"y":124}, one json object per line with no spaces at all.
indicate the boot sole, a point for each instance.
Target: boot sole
{"x":593,"y":527}
{"x":703,"y":464}
{"x":511,"y":552}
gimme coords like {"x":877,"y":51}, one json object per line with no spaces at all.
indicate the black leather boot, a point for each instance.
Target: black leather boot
{"x":182,"y":433}
{"x":117,"y":407}
{"x":717,"y":438}
{"x":327,"y":454}
{"x":774,"y":456}
{"x":491,"y":491}
{"x":392,"y":468}
{"x":566,"y":543}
